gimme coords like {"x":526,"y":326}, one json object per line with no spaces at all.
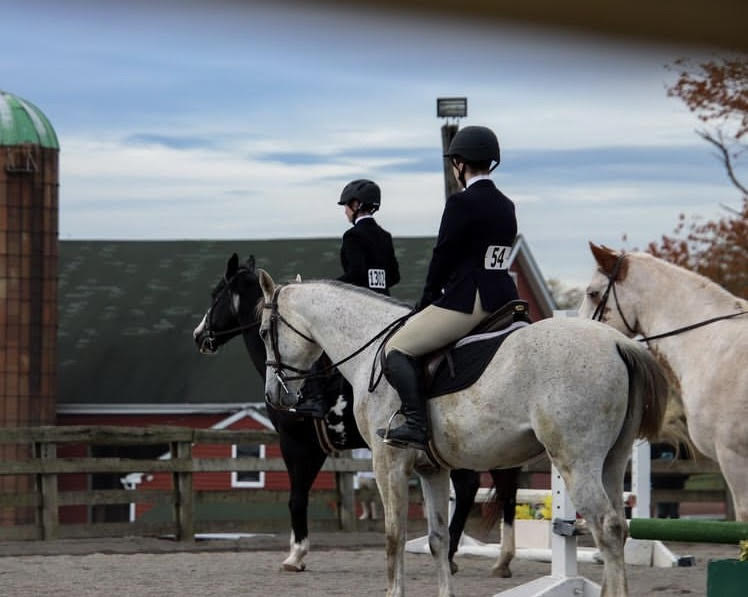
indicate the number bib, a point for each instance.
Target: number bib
{"x":497,"y":257}
{"x":377,"y":278}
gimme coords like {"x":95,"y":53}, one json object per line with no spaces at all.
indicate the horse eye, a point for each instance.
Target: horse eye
{"x":593,"y":294}
{"x":263,"y":333}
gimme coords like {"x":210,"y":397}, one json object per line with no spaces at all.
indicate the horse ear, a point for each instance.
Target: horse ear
{"x":606,"y":257}
{"x":250,"y":262}
{"x":298,"y":277}
{"x":267,"y":284}
{"x":231,"y":266}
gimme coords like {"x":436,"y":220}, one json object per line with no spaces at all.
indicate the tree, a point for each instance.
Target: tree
{"x":715,"y":249}
{"x":565,"y":298}
{"x":717,"y":91}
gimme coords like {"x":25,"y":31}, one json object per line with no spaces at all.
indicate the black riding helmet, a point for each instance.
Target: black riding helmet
{"x":366,"y":191}
{"x":475,"y":144}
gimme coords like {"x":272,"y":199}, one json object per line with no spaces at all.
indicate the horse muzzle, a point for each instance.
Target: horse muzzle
{"x":206,"y":343}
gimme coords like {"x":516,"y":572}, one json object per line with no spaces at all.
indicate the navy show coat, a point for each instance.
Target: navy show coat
{"x":368,"y":257}
{"x":477,"y":230}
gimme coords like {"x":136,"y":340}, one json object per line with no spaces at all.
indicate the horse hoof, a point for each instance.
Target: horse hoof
{"x":453,"y":568}
{"x":502,"y":572}
{"x":293,"y":567}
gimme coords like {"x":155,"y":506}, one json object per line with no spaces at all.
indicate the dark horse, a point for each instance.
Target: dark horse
{"x":305,"y":442}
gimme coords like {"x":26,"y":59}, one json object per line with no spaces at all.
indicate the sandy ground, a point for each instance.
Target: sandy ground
{"x":340,"y":564}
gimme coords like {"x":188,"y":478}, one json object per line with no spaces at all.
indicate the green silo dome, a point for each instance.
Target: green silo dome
{"x":21,"y":123}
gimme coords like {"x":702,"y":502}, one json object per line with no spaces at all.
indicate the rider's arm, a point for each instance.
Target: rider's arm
{"x":352,"y":259}
{"x":393,"y":269}
{"x":449,"y":246}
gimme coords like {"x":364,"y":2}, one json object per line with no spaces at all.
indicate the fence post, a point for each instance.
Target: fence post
{"x":47,"y":489}
{"x":641,"y":475}
{"x":183,"y":496}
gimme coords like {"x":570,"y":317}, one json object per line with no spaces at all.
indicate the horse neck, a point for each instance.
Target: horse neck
{"x":342,"y":319}
{"x":256,"y":349}
{"x":669,"y":298}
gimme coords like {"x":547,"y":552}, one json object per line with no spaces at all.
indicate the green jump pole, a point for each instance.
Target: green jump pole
{"x":694,"y":531}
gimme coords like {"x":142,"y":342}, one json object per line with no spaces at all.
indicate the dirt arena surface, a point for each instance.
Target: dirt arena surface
{"x":340,"y":564}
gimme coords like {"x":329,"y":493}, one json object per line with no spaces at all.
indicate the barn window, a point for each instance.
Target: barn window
{"x":248,"y":478}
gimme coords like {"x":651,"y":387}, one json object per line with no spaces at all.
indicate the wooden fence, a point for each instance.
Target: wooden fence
{"x":46,"y":499}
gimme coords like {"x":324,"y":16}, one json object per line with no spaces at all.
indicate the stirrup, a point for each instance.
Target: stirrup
{"x":384,"y":433}
{"x":386,"y":430}
{"x":400,"y":443}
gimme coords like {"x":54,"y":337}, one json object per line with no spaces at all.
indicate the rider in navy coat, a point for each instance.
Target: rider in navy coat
{"x":477,"y":230}
{"x":468,"y":277}
{"x":367,"y":254}
{"x":368,"y":259}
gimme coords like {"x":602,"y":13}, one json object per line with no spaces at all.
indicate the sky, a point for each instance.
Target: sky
{"x":242,"y":120}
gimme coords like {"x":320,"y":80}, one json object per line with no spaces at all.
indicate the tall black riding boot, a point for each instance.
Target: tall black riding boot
{"x":313,"y":405}
{"x":404,"y":374}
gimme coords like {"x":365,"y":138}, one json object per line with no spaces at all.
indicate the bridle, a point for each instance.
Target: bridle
{"x":277,"y":362}
{"x":600,"y":309}
{"x":597,"y":315}
{"x":210,"y":335}
{"x":279,"y":366}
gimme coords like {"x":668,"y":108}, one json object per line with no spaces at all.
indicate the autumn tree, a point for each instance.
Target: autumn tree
{"x":717,"y":92}
{"x":715,"y":249}
{"x":565,"y":297}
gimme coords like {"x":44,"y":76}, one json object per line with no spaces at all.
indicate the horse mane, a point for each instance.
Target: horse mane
{"x":338,"y":284}
{"x":361,"y":290}
{"x":686,"y":276}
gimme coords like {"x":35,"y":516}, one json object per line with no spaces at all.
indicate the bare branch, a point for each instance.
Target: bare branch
{"x":729,"y":209}
{"x":726,"y":159}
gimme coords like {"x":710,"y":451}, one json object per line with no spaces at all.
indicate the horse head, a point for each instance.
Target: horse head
{"x":618,"y":310}
{"x":290,"y":349}
{"x":233,"y":306}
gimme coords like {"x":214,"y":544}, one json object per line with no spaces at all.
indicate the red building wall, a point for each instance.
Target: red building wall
{"x":278,"y":481}
{"x":525,"y":292}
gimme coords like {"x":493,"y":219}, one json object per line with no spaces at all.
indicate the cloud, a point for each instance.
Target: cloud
{"x":296,"y":158}
{"x":172,"y":142}
{"x":186,"y":121}
{"x":630,"y":164}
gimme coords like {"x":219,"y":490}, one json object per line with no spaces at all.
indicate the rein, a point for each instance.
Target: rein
{"x":279,"y":365}
{"x":599,"y":310}
{"x":692,"y":326}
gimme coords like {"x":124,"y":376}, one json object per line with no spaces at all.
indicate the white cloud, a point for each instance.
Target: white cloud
{"x":328,"y":86}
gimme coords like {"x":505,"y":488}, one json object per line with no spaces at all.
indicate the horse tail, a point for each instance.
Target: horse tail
{"x":647,"y":385}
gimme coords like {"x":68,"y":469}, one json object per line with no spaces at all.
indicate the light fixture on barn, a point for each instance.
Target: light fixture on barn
{"x":451,"y":108}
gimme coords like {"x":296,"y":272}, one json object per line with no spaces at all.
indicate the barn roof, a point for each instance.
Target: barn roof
{"x":127,"y":310}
